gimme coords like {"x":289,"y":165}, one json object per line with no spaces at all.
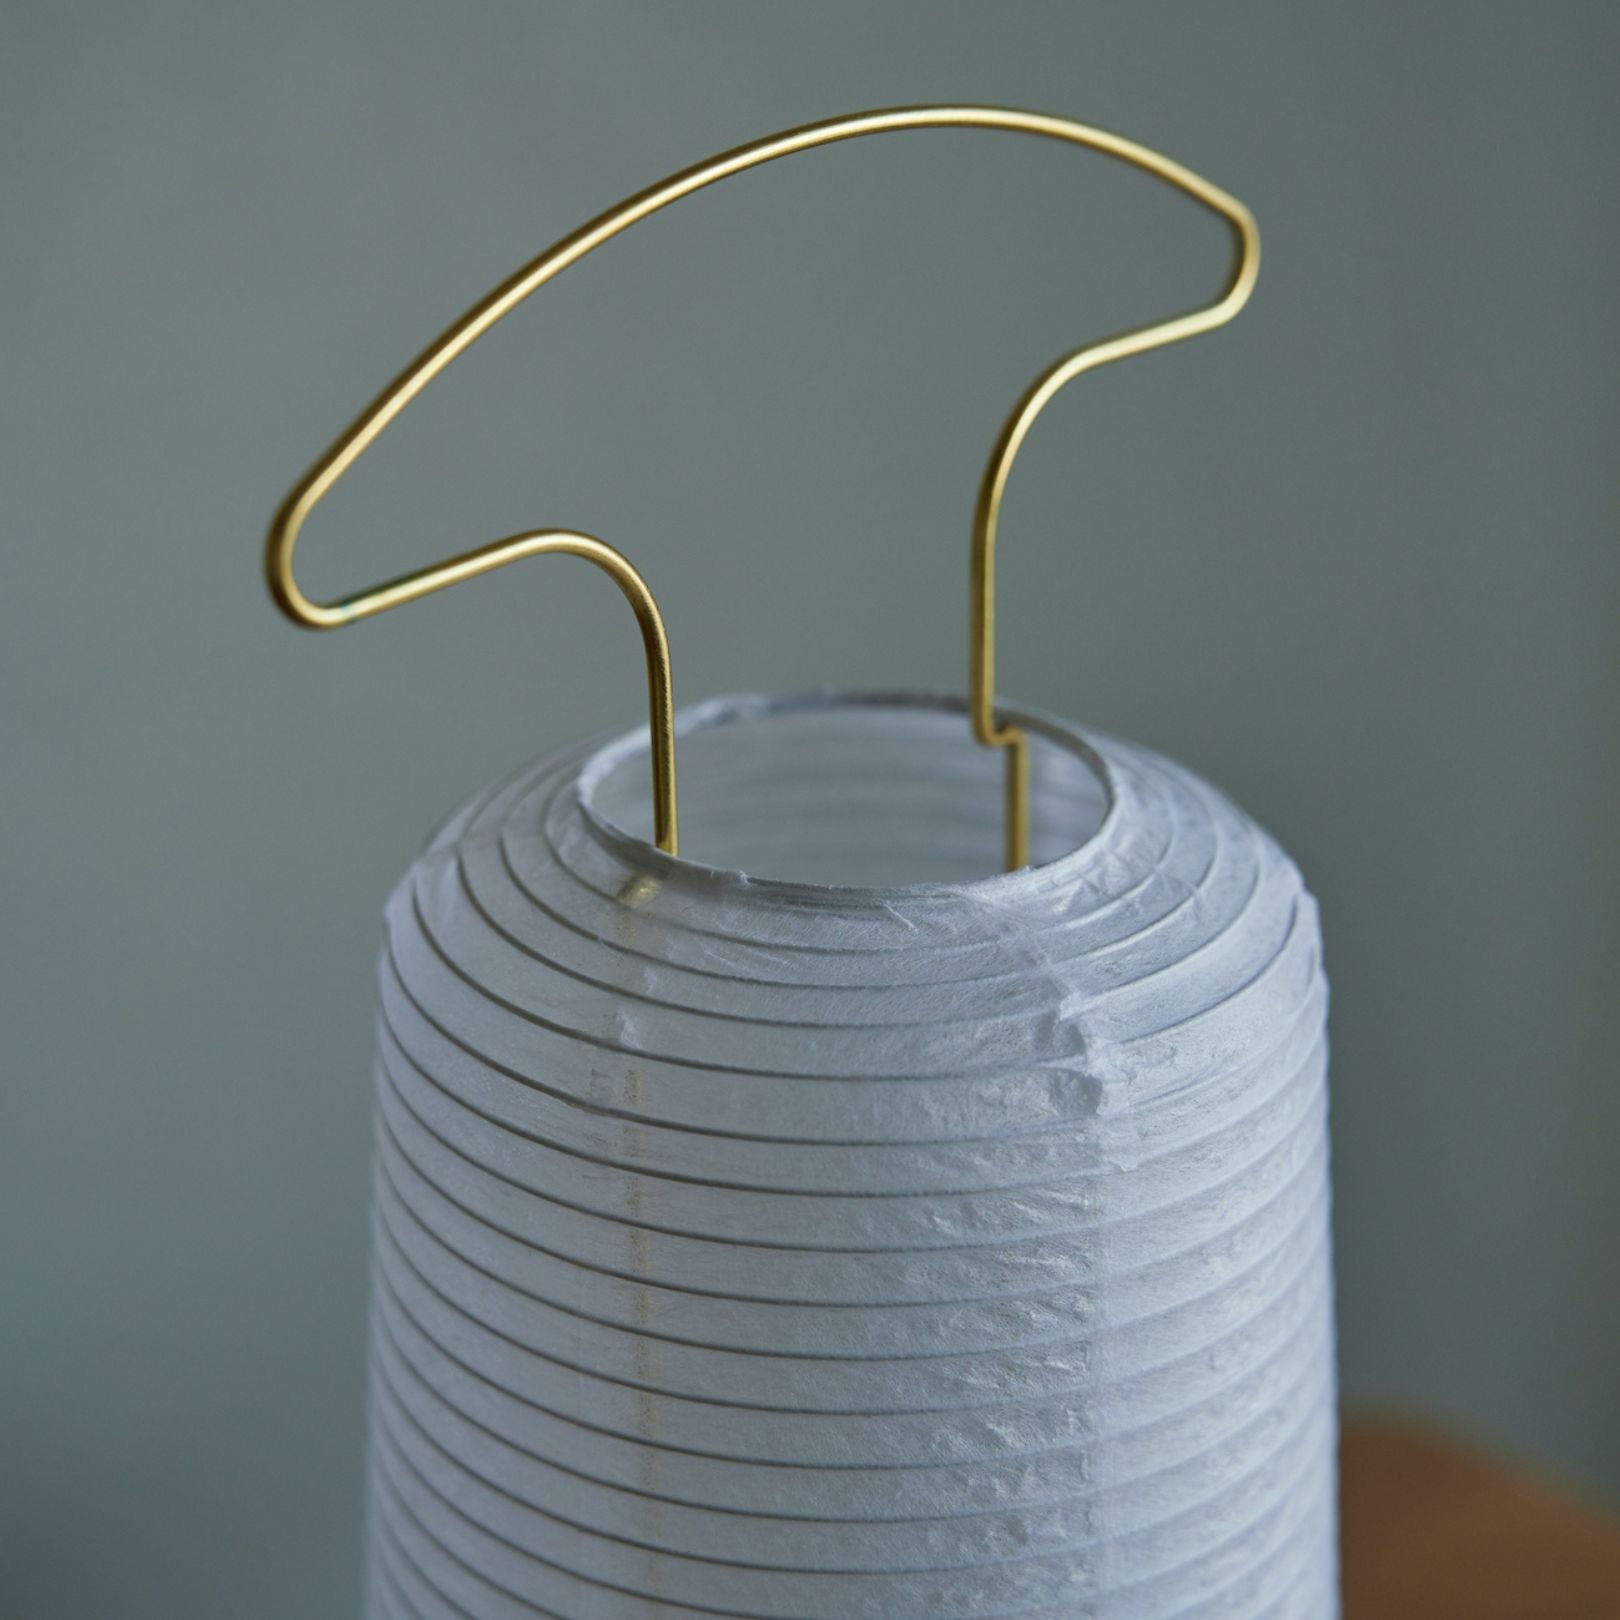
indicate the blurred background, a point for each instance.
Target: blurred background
{"x":1354,"y":558}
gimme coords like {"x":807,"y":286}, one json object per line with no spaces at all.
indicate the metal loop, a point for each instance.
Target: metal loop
{"x":309,"y":492}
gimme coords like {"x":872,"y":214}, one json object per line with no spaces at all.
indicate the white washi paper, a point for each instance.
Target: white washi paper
{"x":820,"y":1227}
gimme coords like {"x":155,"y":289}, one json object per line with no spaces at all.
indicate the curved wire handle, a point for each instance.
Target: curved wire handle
{"x":994,"y":733}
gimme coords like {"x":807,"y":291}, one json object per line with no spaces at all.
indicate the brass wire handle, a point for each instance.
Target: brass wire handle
{"x":357,"y":438}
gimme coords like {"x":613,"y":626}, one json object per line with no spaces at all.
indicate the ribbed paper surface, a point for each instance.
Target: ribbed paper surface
{"x":952,"y":1246}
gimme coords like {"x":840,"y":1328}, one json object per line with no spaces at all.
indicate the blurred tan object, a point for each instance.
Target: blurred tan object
{"x":1432,"y":1529}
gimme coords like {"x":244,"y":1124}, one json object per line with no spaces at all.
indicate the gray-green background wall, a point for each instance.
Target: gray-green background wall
{"x":1354,"y":558}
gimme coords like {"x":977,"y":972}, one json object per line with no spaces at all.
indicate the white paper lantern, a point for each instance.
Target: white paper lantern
{"x":817,"y":1226}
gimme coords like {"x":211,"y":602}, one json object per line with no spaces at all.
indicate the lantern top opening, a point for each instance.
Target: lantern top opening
{"x":848,"y":791}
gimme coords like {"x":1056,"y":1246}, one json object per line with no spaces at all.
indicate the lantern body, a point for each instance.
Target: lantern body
{"x":869,"y":1235}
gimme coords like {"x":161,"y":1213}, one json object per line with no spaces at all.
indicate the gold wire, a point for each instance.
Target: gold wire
{"x":987,"y":728}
